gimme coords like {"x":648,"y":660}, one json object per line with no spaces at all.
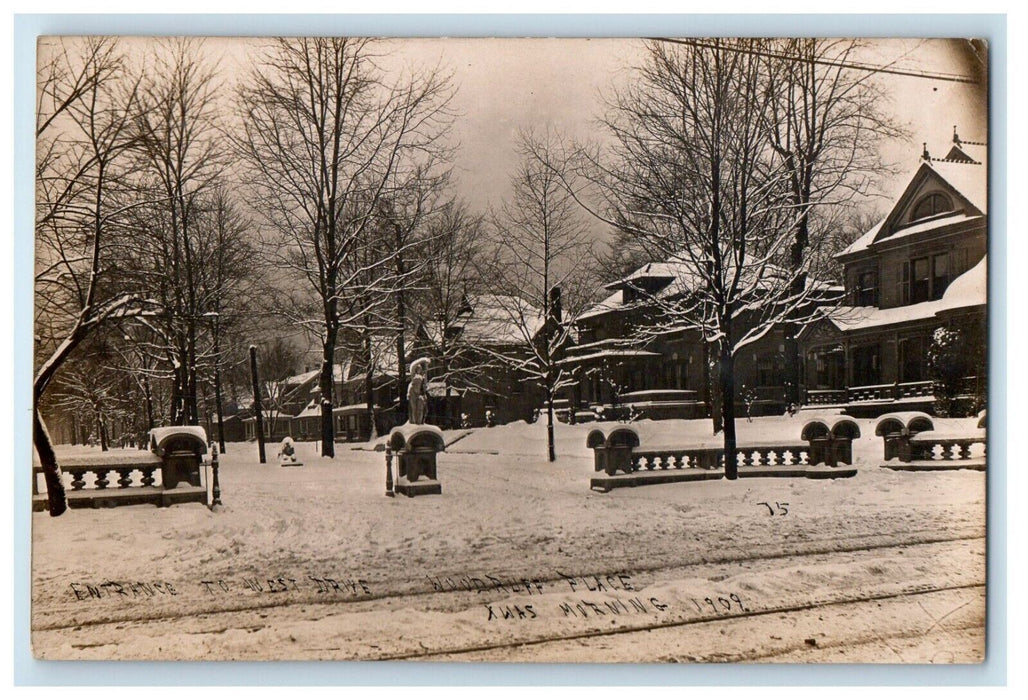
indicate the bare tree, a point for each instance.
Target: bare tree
{"x":538,"y":239}
{"x":228,"y":280}
{"x":406,"y":216}
{"x":325,"y":139}
{"x":178,"y":148}
{"x":83,"y":128}
{"x":95,"y":387}
{"x":692,"y":177}
{"x":825,"y":125}
{"x":449,"y":282}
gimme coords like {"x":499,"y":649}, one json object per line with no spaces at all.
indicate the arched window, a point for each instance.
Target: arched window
{"x":930,"y":205}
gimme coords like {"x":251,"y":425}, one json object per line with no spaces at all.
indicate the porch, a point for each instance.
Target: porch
{"x":873,"y":399}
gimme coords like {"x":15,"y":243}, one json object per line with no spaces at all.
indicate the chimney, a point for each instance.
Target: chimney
{"x":556,"y":312}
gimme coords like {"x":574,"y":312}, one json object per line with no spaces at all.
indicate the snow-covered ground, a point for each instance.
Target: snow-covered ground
{"x":315,"y":562}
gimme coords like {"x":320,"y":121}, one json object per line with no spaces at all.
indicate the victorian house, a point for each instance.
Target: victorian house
{"x":628,"y":366}
{"x":920,"y":269}
{"x":474,"y":362}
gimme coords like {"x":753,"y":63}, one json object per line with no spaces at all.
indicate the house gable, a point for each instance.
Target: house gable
{"x":820,"y":331}
{"x":929,"y":195}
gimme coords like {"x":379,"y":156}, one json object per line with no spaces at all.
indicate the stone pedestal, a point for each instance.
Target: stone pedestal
{"x":422,"y":487}
{"x":416,"y":447}
{"x":181,"y":449}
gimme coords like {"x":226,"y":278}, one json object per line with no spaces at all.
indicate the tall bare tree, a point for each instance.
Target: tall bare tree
{"x":85,"y":112}
{"x":326,"y":137}
{"x":178,"y":147}
{"x":449,"y":282}
{"x":538,"y":240}
{"x":692,"y":177}
{"x":825,"y":125}
{"x":406,"y":217}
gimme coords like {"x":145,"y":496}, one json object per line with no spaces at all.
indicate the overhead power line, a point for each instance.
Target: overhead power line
{"x":854,"y":65}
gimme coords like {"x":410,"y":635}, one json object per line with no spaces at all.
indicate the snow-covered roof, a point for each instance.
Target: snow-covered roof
{"x":654,"y":270}
{"x":680,"y":277}
{"x":868,"y":238}
{"x":970,"y":289}
{"x":311,"y":409}
{"x":611,"y":303}
{"x":855,"y":318}
{"x":968,"y":178}
{"x":499,"y":319}
{"x":608,"y":354}
{"x":864,"y":241}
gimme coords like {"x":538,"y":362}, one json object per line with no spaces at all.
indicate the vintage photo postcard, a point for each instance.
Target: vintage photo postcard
{"x":534,"y":350}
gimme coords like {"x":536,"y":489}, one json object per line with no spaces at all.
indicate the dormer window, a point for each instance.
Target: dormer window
{"x":866,"y":291}
{"x":926,"y":279}
{"x":931,"y":205}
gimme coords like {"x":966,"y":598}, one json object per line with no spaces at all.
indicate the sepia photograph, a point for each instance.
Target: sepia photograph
{"x":549,"y":350}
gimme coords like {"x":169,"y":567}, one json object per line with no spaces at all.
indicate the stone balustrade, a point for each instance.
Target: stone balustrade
{"x":126,"y":477}
{"x":931,"y":446}
{"x":911,"y":443}
{"x":828,"y":442}
{"x":826,"y":397}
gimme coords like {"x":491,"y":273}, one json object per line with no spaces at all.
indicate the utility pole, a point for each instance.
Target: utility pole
{"x":257,"y":412}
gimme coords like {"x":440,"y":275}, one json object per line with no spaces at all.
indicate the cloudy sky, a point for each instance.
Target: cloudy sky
{"x":508,"y":84}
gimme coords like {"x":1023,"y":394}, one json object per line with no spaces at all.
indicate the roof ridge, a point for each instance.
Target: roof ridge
{"x":969,"y":161}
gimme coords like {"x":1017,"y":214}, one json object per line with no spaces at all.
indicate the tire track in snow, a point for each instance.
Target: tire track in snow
{"x":592,"y":634}
{"x":813,"y":548}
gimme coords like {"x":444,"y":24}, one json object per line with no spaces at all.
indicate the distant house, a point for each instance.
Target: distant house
{"x":477,"y":372}
{"x":626,"y":367}
{"x":281,"y":401}
{"x":921,"y":268}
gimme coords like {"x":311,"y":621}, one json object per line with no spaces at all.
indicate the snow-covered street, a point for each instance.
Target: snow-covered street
{"x":519,"y":560}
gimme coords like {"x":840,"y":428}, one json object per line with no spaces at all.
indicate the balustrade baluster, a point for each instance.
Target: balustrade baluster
{"x":125,"y":477}
{"x":77,"y":479}
{"x":965,"y":450}
{"x":148,"y":478}
{"x":101,"y":477}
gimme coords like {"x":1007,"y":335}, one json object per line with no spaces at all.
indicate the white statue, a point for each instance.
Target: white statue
{"x":417,"y":392}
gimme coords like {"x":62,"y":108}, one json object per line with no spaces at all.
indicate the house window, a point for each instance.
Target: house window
{"x":935,"y":203}
{"x":940,"y":275}
{"x":828,"y":366}
{"x":769,"y":370}
{"x":920,"y":280}
{"x":926,"y":279}
{"x":866,"y":365}
{"x":912,"y":360}
{"x":866,"y":292}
